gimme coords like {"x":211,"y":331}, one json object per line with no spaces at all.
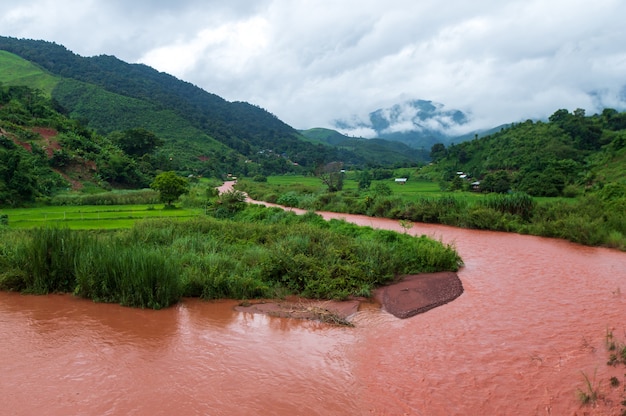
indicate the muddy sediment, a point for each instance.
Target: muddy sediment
{"x":409,"y":296}
{"x":415,"y":294}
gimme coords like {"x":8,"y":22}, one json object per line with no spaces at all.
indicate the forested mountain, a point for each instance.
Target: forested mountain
{"x":564,"y":156}
{"x":197,"y":127}
{"x":387,"y":153}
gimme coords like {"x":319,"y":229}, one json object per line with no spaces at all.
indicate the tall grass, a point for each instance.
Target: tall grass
{"x":131,"y":197}
{"x":139,"y":276}
{"x":260,"y":252}
{"x":48,"y":259}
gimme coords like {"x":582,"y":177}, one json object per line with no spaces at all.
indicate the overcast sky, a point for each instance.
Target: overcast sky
{"x":310,"y":62}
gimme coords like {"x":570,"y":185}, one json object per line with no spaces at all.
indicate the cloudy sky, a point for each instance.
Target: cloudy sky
{"x":310,"y":62}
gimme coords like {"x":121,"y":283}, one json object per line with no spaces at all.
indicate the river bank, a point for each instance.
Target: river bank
{"x":406,"y":297}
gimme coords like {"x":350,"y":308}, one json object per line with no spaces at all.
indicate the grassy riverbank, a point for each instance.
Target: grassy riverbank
{"x":596,"y":219}
{"x":256,"y":253}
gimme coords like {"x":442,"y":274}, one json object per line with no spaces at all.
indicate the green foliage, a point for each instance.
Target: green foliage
{"x":124,"y":197}
{"x":260,"y":252}
{"x":228,"y":204}
{"x":367,"y":152}
{"x":331,"y":175}
{"x":289,"y":199}
{"x":382,"y":189}
{"x":111,"y":95}
{"x":437,"y":152}
{"x":136,"y":142}
{"x":515,"y":203}
{"x":48,"y":259}
{"x":170,"y":186}
{"x":17,"y":71}
{"x":499,"y":182}
{"x":109,"y":271}
{"x":541,"y":159}
{"x":365,"y":180}
{"x":591,"y":219}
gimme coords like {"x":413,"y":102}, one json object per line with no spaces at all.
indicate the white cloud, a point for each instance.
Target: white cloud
{"x":311,"y":62}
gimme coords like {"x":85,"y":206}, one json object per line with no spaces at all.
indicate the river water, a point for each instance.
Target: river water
{"x":529,"y":327}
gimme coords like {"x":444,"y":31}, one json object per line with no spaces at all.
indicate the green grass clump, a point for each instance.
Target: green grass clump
{"x":48,"y":259}
{"x":590,"y":393}
{"x":108,"y":271}
{"x":258,"y":252}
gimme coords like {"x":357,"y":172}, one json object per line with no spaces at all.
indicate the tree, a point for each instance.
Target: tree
{"x":498,"y":181}
{"x":365,"y":180}
{"x":331,"y":175}
{"x":438,"y":151}
{"x":170,"y":186}
{"x":136,"y":142}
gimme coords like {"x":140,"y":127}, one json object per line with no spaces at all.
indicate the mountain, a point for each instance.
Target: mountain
{"x":418,"y":123}
{"x":199,"y":129}
{"x":385,"y":152}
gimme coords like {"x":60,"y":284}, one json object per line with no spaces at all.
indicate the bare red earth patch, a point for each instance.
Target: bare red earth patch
{"x":411,"y":295}
{"x":416,"y":294}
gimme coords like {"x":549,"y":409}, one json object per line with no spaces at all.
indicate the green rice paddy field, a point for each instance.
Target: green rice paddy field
{"x":411,"y":189}
{"x":92,"y":217}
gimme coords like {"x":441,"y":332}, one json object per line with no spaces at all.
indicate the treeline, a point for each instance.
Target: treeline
{"x":596,"y":218}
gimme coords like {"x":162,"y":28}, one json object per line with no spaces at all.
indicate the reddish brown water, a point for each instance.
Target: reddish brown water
{"x":531,"y":321}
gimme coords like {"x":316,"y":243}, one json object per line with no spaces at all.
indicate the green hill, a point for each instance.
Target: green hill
{"x":110,"y":95}
{"x":566,"y":155}
{"x":17,"y":71}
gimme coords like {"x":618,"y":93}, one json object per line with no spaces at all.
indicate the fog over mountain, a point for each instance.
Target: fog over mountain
{"x":419,"y":123}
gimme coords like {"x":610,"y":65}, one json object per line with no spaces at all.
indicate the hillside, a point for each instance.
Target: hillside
{"x":384,"y":152}
{"x":568,"y":154}
{"x":92,"y":90}
{"x":42,"y":152}
{"x":110,"y":95}
{"x":17,"y":71}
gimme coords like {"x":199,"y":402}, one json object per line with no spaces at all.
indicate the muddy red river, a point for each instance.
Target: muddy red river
{"x":529,"y":326}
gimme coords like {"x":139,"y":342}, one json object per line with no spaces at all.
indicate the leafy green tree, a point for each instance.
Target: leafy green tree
{"x":382,"y":189}
{"x":228,"y":204}
{"x":499,"y":182}
{"x":136,"y":142}
{"x":170,"y":186}
{"x":456,"y":184}
{"x":438,"y":151}
{"x":331,"y":175}
{"x":365,"y":180}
